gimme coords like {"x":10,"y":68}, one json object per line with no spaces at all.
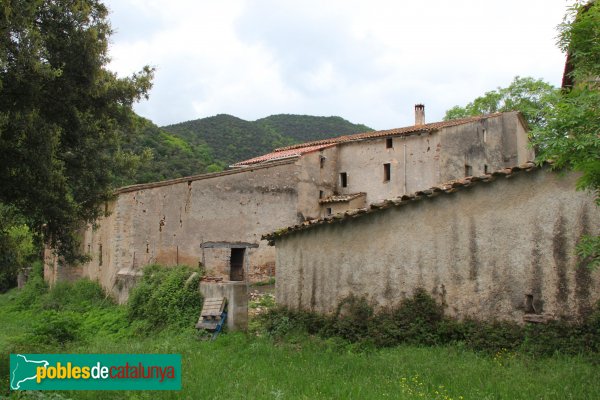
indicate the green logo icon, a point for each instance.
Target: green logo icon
{"x":23,"y":370}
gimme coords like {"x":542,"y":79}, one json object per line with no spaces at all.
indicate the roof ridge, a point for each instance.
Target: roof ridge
{"x":197,"y":177}
{"x":394,"y":131}
{"x":280,"y":155}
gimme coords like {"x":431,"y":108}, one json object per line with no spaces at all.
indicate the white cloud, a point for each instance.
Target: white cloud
{"x":368,"y":62}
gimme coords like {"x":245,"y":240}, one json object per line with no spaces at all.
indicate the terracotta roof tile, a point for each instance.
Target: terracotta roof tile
{"x":408,"y":130}
{"x":341,"y":198}
{"x":446,"y":188}
{"x":303,"y":148}
{"x":281,"y":154}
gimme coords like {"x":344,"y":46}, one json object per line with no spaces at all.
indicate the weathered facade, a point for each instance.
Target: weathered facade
{"x":218,"y":219}
{"x":498,"y":246}
{"x":390,"y":163}
{"x":168,"y":222}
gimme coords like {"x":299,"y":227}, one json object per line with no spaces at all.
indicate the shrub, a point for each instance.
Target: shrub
{"x":164,"y":297}
{"x":56,"y":328}
{"x":33,"y":291}
{"x":492,"y":336}
{"x":416,"y":320}
{"x":80,"y":295}
{"x":281,"y":321}
{"x":68,"y":312}
{"x":352,"y":319}
{"x":419,"y":320}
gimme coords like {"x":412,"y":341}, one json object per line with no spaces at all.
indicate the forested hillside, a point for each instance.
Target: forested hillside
{"x":304,"y":128}
{"x":211,"y":144}
{"x":170,"y":156}
{"x":231,"y":139}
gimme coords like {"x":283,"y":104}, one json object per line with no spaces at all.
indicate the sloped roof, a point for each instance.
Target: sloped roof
{"x":193,"y":178}
{"x":341,"y":198}
{"x":279,"y":155}
{"x":297,"y":150}
{"x":407,"y":130}
{"x":444,"y":188}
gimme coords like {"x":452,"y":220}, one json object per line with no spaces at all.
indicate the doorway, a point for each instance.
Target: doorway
{"x":236,"y":264}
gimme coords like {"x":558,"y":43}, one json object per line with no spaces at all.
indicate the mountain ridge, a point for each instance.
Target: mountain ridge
{"x":213,"y":143}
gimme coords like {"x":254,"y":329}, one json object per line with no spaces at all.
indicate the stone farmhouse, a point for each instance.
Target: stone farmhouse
{"x":218,"y":219}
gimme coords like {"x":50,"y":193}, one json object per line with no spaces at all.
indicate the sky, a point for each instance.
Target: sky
{"x":369,"y":61}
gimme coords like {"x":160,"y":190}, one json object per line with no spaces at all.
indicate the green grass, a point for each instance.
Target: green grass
{"x":240,"y":366}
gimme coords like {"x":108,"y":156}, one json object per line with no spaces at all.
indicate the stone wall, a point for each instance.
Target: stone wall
{"x":500,"y":249}
{"x":422,"y":160}
{"x":236,"y":294}
{"x":55,"y":271}
{"x":167,"y":222}
{"x":491,"y":143}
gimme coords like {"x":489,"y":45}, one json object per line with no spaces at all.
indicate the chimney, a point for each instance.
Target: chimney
{"x":419,"y":114}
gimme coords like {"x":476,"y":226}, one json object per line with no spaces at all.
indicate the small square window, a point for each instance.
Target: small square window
{"x":389,"y":143}
{"x":387,"y":172}
{"x":468,"y":170}
{"x":344,"y":179}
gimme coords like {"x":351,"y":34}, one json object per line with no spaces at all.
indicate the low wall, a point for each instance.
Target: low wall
{"x":499,"y":249}
{"x":237,"y":301}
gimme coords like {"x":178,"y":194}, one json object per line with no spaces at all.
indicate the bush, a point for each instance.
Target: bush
{"x":34,"y":290}
{"x":416,"y":320}
{"x":56,"y":328}
{"x":165,"y":297}
{"x":419,"y":320}
{"x":68,"y":312}
{"x":80,"y":295}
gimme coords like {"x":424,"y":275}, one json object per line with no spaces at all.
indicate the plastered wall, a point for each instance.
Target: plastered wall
{"x":168,"y":222}
{"x":423,"y":160}
{"x":480,"y":251}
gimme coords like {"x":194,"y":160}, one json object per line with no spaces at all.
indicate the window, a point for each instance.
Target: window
{"x":320,"y":194}
{"x":485,"y":169}
{"x":99,"y":254}
{"x":468,"y":170}
{"x":344,"y":179}
{"x":484,"y":135}
{"x":387,"y":172}
{"x":322,"y":159}
{"x":328,"y":210}
{"x":389,"y":143}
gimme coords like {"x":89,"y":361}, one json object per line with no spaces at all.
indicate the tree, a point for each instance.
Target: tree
{"x":571,"y":138}
{"x":63,"y":115}
{"x":534,"y":98}
{"x":16,"y":246}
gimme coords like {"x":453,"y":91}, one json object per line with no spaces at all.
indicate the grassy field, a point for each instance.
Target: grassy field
{"x":240,"y":366}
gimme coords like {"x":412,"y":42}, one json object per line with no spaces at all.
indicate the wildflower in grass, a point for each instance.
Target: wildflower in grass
{"x":504,"y":356}
{"x":416,"y":388}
